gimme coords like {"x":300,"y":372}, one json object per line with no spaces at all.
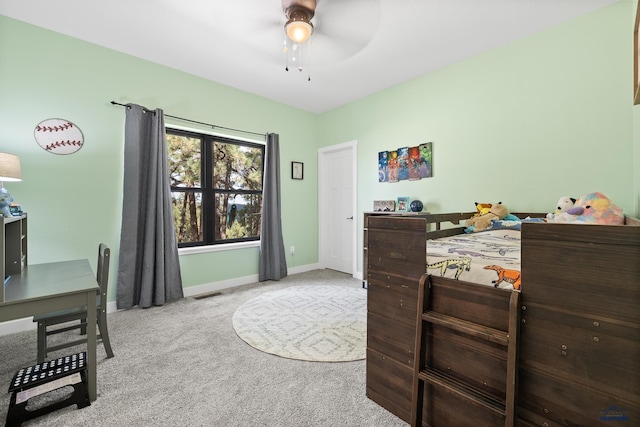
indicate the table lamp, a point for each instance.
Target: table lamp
{"x":9,"y":168}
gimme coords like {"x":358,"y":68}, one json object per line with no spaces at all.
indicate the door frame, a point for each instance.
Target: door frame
{"x":323,"y":246}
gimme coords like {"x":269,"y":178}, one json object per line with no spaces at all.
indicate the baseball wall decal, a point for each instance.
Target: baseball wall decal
{"x":58,"y":136}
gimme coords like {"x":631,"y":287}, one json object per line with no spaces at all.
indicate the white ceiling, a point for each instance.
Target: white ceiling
{"x":359,"y":47}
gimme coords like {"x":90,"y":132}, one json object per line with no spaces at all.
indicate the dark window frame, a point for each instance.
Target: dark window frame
{"x":207,"y":191}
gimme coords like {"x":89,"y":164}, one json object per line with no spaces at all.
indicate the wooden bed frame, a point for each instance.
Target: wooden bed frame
{"x":564,"y":351}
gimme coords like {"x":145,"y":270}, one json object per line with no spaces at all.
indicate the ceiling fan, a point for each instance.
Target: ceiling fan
{"x":299,"y":14}
{"x":331,"y":27}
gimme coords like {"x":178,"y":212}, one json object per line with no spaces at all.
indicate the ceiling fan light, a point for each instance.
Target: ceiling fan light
{"x":299,"y":27}
{"x":299,"y":31}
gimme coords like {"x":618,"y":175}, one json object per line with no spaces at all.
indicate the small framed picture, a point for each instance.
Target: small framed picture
{"x":403,"y":204}
{"x":384,"y":205}
{"x":297,"y":170}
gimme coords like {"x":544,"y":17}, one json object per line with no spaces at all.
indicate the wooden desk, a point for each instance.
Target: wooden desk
{"x":43,"y":288}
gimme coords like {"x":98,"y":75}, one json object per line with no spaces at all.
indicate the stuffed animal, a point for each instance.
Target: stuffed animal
{"x":480,"y":223}
{"x":561,"y":218}
{"x":592,"y":208}
{"x":5,"y":202}
{"x":564,"y":204}
{"x":482,"y":209}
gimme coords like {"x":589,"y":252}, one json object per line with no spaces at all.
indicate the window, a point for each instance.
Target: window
{"x":216,"y":188}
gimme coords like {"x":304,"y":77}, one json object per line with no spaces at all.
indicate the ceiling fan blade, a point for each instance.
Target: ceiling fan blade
{"x":338,"y":34}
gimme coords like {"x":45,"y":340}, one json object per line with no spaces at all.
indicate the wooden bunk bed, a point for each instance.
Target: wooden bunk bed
{"x":562,"y":351}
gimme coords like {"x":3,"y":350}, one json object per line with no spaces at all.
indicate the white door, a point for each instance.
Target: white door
{"x":337,"y":191}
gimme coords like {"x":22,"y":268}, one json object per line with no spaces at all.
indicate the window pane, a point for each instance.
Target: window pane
{"x":187,"y":213}
{"x":184,"y":161}
{"x":236,"y":167}
{"x":238,"y":216}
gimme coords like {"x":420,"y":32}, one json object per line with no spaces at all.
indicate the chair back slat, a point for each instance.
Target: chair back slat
{"x":102,"y":270}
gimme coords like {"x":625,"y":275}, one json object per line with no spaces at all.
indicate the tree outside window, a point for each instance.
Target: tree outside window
{"x":216,"y":188}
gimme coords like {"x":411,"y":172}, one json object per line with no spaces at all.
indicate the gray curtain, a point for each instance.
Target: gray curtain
{"x":149,"y":268}
{"x":272,"y":261}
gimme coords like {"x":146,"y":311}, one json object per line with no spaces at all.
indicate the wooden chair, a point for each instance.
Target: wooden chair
{"x":47,"y":322}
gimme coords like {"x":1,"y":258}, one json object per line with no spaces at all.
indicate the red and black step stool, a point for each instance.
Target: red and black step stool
{"x":45,"y":377}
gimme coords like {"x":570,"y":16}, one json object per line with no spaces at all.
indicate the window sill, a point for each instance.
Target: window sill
{"x":218,"y":248}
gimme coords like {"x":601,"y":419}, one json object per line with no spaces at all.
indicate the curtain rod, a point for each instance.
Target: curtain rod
{"x":200,"y":123}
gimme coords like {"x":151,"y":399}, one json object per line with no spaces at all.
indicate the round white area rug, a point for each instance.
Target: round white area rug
{"x":321,"y":323}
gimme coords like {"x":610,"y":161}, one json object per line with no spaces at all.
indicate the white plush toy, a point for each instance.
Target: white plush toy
{"x":5,"y":202}
{"x":560,"y":215}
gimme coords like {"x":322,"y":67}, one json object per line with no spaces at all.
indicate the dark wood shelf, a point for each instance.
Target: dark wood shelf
{"x":13,"y":247}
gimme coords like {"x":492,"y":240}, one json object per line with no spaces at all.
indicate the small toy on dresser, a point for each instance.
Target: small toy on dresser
{"x":591,"y":208}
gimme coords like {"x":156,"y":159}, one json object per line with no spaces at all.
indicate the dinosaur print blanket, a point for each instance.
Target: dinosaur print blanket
{"x":490,"y":258}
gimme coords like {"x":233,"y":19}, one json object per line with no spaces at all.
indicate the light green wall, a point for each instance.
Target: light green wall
{"x":546,"y":116}
{"x":75,"y":201}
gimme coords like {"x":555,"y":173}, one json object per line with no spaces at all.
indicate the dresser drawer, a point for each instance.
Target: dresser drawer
{"x":398,"y":247}
{"x":394,"y":339}
{"x":603,"y":281}
{"x":393,"y":297}
{"x":600,"y":353}
{"x":542,"y":397}
{"x":389,"y":384}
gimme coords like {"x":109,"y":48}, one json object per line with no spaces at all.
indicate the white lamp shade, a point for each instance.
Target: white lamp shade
{"x":10,"y":167}
{"x":299,"y":31}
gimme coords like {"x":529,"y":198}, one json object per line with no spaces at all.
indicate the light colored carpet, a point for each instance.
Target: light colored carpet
{"x":183,"y":365}
{"x":318,"y":323}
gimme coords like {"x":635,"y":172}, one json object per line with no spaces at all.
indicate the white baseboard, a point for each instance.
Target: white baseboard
{"x":27,"y":323}
{"x":238,"y":281}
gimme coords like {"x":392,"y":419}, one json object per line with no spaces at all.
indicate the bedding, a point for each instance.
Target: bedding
{"x":490,"y":258}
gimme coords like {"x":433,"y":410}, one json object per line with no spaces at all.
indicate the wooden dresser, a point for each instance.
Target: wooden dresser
{"x":563,"y":352}
{"x":394,"y":261}
{"x":579,"y":341}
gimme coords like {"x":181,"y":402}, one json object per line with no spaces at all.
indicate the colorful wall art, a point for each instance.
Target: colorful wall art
{"x":406,"y":163}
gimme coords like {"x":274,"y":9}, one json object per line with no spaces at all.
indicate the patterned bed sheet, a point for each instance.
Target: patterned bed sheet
{"x":490,"y":258}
